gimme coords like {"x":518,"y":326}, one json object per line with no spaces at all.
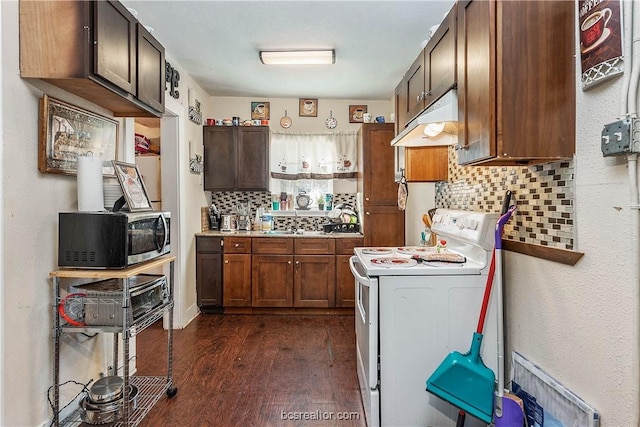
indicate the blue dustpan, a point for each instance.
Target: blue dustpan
{"x":464,"y":381}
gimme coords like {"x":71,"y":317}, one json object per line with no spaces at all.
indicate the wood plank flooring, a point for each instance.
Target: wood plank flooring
{"x":256,"y":370}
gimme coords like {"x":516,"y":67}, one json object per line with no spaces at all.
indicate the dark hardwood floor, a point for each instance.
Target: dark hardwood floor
{"x":256,"y":370}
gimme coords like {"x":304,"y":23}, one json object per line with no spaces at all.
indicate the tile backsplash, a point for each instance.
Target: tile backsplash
{"x":226,"y":202}
{"x":544,"y":194}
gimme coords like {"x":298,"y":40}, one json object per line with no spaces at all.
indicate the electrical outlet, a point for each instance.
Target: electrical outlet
{"x":616,"y":138}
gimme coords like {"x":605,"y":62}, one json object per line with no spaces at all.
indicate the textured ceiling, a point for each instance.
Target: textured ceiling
{"x":217,"y":43}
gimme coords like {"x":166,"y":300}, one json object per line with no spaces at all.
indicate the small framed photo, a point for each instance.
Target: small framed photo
{"x":67,"y":131}
{"x":356,"y":113}
{"x":132,"y":185}
{"x":308,"y":107}
{"x":260,"y":110}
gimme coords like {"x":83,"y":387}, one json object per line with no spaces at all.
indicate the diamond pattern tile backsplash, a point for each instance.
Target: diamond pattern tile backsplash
{"x":544,"y":195}
{"x":226,"y":202}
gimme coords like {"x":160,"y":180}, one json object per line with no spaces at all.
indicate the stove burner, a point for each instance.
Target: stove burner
{"x":377,"y":251}
{"x":394,"y":262}
{"x":416,"y":250}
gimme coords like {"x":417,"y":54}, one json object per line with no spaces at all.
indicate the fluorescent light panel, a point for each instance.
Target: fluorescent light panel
{"x":298,"y":57}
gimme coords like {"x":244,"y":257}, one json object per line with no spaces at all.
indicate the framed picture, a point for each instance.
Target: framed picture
{"x":132,"y":185}
{"x":67,"y":131}
{"x":260,"y":110}
{"x":356,"y":113}
{"x":308,"y":107}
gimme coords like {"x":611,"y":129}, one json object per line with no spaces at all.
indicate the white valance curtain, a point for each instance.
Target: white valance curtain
{"x":296,"y":156}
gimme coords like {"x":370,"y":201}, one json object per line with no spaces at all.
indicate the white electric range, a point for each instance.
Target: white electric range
{"x":410,"y":315}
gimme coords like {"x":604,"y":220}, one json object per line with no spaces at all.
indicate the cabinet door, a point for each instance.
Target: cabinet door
{"x":236,"y":273}
{"x":379,"y":172}
{"x":115,"y":45}
{"x":219,"y":158}
{"x":314,"y":281}
{"x":345,"y":283}
{"x":440,"y":59}
{"x":151,"y":70}
{"x":415,"y":87}
{"x":272,"y":281}
{"x":427,"y":164}
{"x":383,"y":226}
{"x":252,"y":159}
{"x":209,"y":279}
{"x":476,"y":80}
{"x":401,"y":106}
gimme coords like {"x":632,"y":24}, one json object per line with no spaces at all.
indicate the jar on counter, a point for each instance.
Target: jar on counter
{"x":267,"y":222}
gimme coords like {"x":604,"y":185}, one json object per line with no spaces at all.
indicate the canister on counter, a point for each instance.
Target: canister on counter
{"x":328,"y":201}
{"x":267,"y":222}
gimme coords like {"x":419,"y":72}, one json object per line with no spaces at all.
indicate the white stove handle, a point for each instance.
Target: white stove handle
{"x":353,"y":266}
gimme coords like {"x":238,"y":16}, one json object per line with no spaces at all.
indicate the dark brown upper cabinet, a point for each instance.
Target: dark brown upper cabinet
{"x":96,"y":50}
{"x":516,"y":81}
{"x":236,"y":158}
{"x":431,"y":75}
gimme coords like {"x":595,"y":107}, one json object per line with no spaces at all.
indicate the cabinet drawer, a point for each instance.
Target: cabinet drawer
{"x":208,"y":244}
{"x":272,"y":245}
{"x":315,"y":246}
{"x":345,"y":246}
{"x":237,"y":245}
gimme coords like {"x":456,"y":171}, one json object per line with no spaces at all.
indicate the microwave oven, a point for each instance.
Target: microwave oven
{"x":112,"y":239}
{"x":103,"y":301}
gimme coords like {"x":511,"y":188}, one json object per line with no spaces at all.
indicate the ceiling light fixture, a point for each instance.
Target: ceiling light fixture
{"x":298,"y":57}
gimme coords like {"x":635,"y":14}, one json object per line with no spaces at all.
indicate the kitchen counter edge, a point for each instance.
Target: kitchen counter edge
{"x":308,"y":235}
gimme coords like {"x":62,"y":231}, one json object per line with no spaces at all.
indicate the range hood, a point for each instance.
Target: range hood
{"x":437,"y":125}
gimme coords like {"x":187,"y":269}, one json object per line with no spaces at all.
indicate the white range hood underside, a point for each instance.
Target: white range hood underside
{"x":443,"y":110}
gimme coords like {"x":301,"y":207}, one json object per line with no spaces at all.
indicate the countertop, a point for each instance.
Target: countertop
{"x":279,"y":233}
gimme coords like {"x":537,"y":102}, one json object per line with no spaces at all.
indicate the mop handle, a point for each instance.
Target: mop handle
{"x":492,"y":268}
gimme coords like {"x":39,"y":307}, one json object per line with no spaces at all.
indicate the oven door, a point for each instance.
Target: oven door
{"x":366,"y":314}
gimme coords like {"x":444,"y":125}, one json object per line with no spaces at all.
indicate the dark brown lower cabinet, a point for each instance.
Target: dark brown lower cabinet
{"x":236,"y":274}
{"x":209,"y":273}
{"x":314,"y":281}
{"x":345,"y":283}
{"x":272,"y":280}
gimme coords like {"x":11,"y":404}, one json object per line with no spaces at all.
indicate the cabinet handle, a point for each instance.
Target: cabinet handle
{"x":367,"y":213}
{"x":226,"y":261}
{"x":237,"y":245}
{"x":297,"y":262}
{"x":366,"y":198}
{"x":289,"y":262}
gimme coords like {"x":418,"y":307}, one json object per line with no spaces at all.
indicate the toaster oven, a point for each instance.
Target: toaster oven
{"x":103,"y":301}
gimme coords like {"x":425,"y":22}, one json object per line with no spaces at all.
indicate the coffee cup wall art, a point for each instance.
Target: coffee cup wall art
{"x":600,"y":35}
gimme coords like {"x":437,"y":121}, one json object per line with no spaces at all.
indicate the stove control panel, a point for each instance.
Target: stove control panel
{"x":477,"y":228}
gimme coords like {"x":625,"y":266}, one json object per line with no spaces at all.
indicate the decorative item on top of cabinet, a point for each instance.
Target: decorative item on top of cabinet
{"x":383,"y":223}
{"x":236,"y":272}
{"x":516,"y":81}
{"x":209,"y":273}
{"x":236,"y":158}
{"x":97,"y":57}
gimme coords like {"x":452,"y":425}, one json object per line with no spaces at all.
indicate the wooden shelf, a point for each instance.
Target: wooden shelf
{"x":124,"y":273}
{"x":562,"y":256}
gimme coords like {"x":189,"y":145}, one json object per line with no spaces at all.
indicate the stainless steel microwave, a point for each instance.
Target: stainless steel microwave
{"x":112,"y":239}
